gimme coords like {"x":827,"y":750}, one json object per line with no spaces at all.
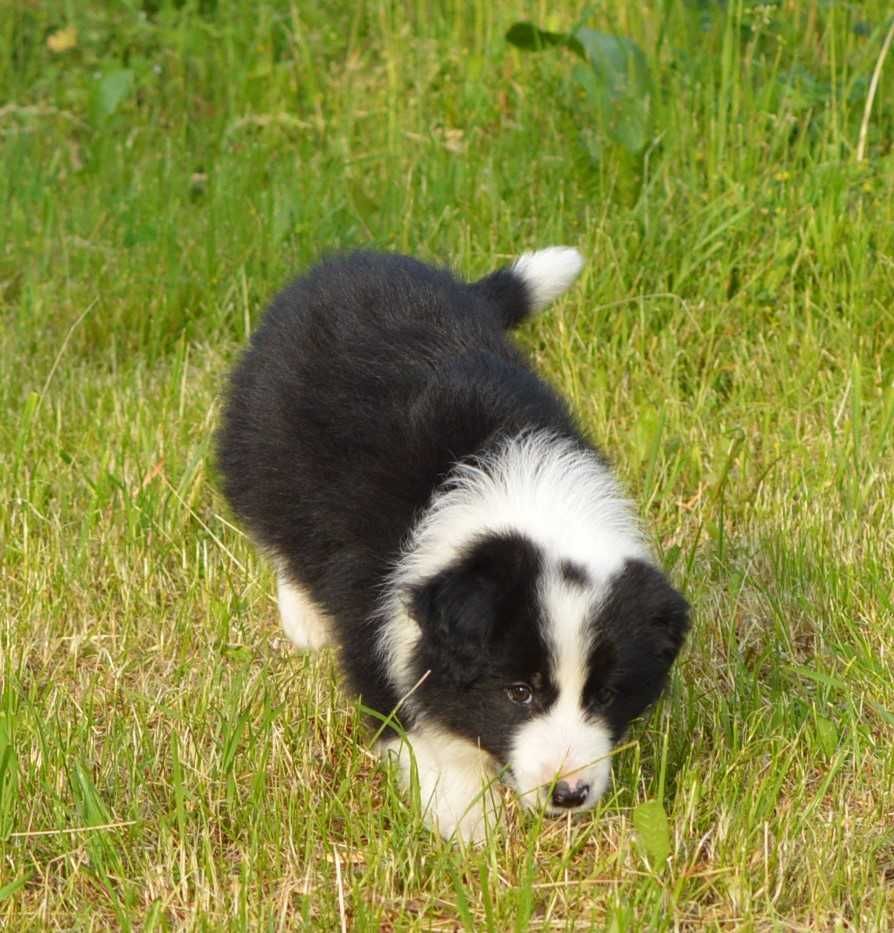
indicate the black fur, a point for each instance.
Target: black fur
{"x":508,"y":294}
{"x":637,"y":633}
{"x":482,"y":632}
{"x":368,"y":379}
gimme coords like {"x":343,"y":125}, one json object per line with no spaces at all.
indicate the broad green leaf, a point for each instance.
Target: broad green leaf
{"x":111,"y":90}
{"x":589,"y":81}
{"x":618,"y":81}
{"x":625,"y":120}
{"x":591,"y":141}
{"x":619,"y":85}
{"x":650,"y":823}
{"x":531,"y":38}
{"x":619,"y":61}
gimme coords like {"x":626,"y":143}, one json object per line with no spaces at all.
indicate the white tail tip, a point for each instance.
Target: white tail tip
{"x":548,"y":273}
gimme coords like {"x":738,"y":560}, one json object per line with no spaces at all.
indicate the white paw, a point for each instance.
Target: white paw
{"x":548,"y":273}
{"x":455,"y":780}
{"x":303,"y":622}
{"x":461,"y":819}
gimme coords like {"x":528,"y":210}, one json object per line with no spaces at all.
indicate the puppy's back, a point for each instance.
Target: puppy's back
{"x":367,"y":380}
{"x":322,"y":444}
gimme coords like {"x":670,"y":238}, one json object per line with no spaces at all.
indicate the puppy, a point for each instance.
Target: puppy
{"x":432,"y":510}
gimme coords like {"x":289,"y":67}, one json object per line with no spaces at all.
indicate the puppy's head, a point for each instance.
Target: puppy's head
{"x":542,"y":664}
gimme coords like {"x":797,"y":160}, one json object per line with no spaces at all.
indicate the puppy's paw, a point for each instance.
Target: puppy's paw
{"x":462,"y":820}
{"x":455,"y":780}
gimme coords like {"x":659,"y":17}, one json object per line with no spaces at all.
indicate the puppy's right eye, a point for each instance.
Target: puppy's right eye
{"x":520,"y":693}
{"x":606,"y":695}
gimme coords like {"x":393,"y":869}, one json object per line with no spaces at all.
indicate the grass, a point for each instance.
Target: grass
{"x":165,"y":760}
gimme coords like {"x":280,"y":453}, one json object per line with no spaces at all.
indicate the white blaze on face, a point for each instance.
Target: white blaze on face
{"x":563,"y":743}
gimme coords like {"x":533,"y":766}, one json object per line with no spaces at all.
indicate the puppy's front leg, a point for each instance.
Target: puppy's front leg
{"x":455,"y":781}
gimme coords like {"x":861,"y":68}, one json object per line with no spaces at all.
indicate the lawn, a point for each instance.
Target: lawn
{"x":166,"y":761}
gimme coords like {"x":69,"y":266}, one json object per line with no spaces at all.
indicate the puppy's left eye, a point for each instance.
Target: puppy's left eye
{"x":520,"y":693}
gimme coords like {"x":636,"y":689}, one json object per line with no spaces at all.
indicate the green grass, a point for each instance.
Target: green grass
{"x":165,"y":760}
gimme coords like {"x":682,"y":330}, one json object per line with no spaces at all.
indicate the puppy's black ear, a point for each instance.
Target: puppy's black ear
{"x":642,"y":597}
{"x":671,"y":620}
{"x":462,"y":609}
{"x":457,"y":604}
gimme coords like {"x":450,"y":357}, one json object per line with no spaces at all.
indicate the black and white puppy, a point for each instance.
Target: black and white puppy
{"x":433,"y":510}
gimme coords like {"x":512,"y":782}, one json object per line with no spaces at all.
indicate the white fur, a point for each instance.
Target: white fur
{"x":548,"y":273}
{"x":562,"y":497}
{"x":565,"y":743}
{"x":455,"y":781}
{"x":305,"y":624}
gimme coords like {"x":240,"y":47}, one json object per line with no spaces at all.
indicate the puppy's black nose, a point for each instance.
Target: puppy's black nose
{"x":568,"y":797}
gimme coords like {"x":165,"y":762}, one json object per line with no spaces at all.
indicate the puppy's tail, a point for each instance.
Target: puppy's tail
{"x":530,"y":283}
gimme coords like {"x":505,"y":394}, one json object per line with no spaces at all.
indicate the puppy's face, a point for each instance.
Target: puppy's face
{"x":542,"y":665}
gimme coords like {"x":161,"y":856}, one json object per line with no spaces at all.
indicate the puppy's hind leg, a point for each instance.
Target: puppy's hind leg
{"x":303,"y":621}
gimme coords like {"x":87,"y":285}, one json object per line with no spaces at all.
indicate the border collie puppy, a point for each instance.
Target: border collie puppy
{"x":432,"y":510}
